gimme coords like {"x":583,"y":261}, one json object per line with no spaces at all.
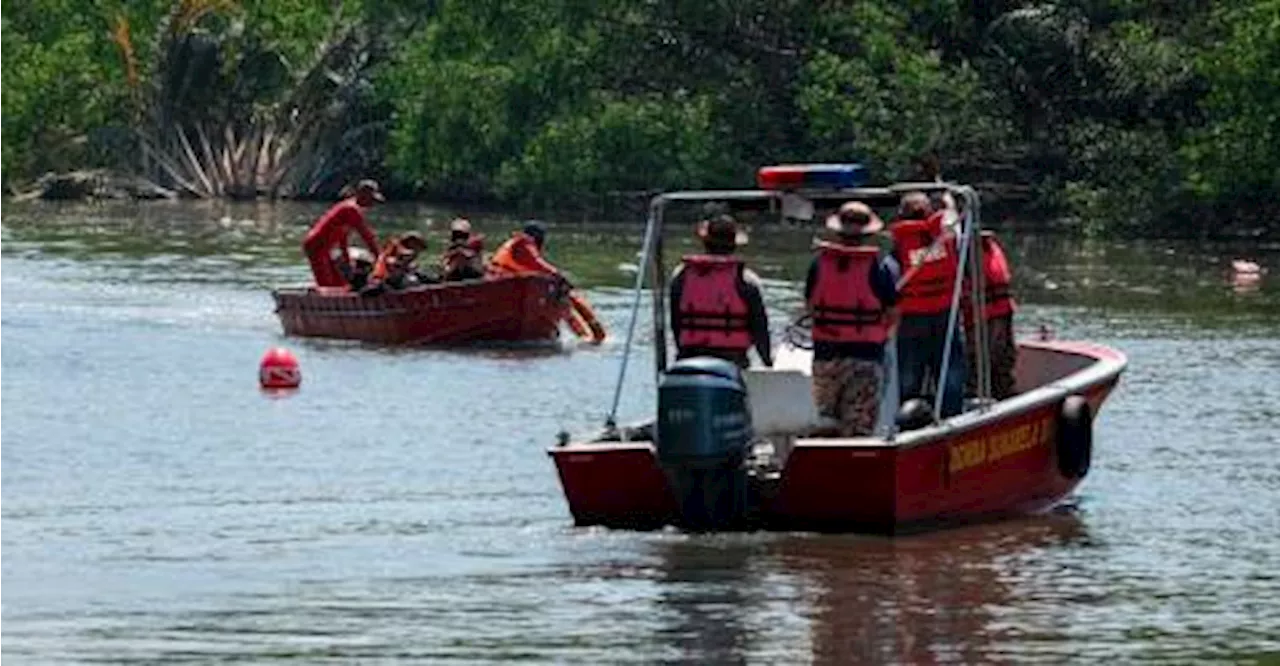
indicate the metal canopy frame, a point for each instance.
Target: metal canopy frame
{"x":968,"y":242}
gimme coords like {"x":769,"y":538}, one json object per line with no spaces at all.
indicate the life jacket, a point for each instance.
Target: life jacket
{"x":458,"y":257}
{"x":712,"y":312}
{"x":845,"y":307}
{"x":997,"y":276}
{"x":520,"y":254}
{"x":927,"y":291}
{"x":393,"y":259}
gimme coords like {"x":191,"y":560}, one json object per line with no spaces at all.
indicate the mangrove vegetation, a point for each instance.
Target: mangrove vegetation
{"x":1121,"y":117}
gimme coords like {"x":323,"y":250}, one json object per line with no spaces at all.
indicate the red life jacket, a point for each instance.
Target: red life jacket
{"x":998,"y":276}
{"x":928,"y":291}
{"x":712,"y":312}
{"x":845,"y":307}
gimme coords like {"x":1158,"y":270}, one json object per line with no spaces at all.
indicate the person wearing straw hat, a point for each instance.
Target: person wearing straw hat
{"x":326,"y":242}
{"x":717,"y":306}
{"x":851,"y":293}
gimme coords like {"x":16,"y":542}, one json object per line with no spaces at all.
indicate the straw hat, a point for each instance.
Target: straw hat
{"x":855,"y":218}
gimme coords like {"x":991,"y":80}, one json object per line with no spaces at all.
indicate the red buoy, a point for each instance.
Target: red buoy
{"x":279,"y":369}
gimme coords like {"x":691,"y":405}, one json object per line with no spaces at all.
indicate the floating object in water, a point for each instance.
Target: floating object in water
{"x":1244,"y":266}
{"x":1246,"y":276}
{"x":582,"y":319}
{"x":279,"y":370}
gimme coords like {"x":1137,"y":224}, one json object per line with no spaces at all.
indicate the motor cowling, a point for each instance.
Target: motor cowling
{"x":704,"y":434}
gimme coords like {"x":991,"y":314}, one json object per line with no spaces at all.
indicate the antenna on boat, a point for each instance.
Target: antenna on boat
{"x":650,"y":232}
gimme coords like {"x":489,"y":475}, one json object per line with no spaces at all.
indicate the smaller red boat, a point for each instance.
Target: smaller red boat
{"x":516,"y":308}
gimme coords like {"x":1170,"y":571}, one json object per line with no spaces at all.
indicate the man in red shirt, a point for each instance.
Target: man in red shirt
{"x":326,"y":242}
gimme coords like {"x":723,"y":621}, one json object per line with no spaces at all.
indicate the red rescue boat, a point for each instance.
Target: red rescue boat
{"x":1023,"y":454}
{"x":517,"y":308}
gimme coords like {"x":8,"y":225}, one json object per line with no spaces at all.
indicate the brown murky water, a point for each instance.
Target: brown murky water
{"x":157,"y":508}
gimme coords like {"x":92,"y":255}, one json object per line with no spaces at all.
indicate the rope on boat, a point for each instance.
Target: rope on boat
{"x":799,"y":333}
{"x":650,"y":233}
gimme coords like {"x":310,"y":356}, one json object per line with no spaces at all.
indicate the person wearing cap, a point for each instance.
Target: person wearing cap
{"x":326,"y":243}
{"x":851,"y":292}
{"x":717,"y":306}
{"x":926,"y":250}
{"x":395,"y":267}
{"x":522,"y":253}
{"x":463,"y":259}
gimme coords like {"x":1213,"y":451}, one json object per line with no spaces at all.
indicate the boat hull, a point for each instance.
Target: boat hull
{"x":521,"y":308}
{"x":979,"y":465}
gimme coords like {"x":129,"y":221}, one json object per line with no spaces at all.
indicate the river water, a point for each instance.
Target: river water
{"x":400,"y":507}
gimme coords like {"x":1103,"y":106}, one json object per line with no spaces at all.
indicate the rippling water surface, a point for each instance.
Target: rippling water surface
{"x":158,"y":508}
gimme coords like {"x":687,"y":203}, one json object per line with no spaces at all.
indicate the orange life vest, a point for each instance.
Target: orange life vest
{"x":712,"y":312}
{"x":520,"y":254}
{"x":392,"y":258}
{"x":928,"y":290}
{"x":845,"y":307}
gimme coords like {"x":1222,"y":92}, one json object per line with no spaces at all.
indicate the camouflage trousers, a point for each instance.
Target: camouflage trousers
{"x":1003,"y":356}
{"x":848,"y":390}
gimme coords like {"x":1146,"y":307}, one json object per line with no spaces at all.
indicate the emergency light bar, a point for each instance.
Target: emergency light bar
{"x":811,"y":177}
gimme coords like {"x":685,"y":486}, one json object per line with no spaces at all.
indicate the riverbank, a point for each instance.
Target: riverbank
{"x":1135,"y":120}
{"x":1005,"y":205}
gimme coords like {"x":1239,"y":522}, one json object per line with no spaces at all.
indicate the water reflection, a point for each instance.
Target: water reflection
{"x":706,"y":585}
{"x":919,"y":600}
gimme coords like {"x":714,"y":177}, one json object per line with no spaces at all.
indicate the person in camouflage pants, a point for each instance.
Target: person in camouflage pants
{"x":848,"y":390}
{"x":851,"y":293}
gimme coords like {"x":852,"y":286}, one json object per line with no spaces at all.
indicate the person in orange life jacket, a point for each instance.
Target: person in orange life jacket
{"x":326,"y":242}
{"x":1002,"y":351}
{"x":717,"y":308}
{"x":926,"y":250}
{"x":395,"y":268}
{"x":851,"y":292}
{"x":522,"y":253}
{"x":463,"y":259}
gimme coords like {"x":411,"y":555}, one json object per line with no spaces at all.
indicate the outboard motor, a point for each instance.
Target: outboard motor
{"x":704,"y":434}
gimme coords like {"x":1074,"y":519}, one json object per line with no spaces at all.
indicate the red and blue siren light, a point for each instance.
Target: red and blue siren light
{"x":811,"y":177}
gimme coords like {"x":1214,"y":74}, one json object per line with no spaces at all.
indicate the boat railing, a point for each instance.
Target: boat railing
{"x":969,"y":249}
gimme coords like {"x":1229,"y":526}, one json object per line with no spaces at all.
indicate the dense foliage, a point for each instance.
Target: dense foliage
{"x":1124,"y":116}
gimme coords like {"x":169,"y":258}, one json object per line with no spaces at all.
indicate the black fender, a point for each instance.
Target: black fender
{"x":914,"y":414}
{"x":1074,"y":445}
